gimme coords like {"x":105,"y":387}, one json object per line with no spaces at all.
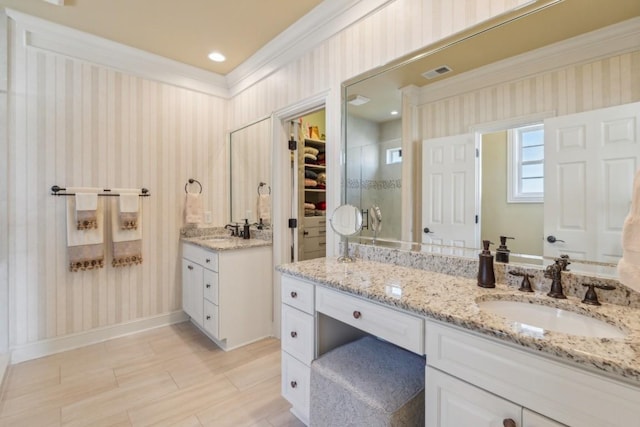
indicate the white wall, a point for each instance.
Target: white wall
{"x":78,"y":123}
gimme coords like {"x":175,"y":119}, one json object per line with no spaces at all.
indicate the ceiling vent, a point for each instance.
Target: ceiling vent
{"x":436,"y":72}
{"x":357,"y":100}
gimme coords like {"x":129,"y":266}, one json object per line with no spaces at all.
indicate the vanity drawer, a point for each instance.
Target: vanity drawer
{"x":210,"y":318}
{"x":402,"y":329}
{"x":297,"y":334}
{"x":312,"y":244}
{"x":311,"y":232}
{"x":297,"y":293}
{"x":200,"y":256}
{"x":315,"y":221}
{"x":211,"y":285}
{"x":295,"y":384}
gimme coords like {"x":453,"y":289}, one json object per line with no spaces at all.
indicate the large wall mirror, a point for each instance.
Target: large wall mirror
{"x":250,"y":166}
{"x":527,"y":126}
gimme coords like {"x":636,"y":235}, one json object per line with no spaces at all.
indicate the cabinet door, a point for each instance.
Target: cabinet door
{"x":533,"y":419}
{"x":451,"y":402}
{"x":192,"y":290}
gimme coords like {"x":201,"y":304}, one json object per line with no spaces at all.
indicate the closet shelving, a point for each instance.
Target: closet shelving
{"x":313,"y":231}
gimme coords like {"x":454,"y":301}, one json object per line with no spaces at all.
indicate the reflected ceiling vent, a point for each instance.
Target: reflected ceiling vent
{"x":357,"y":99}
{"x":436,"y":72}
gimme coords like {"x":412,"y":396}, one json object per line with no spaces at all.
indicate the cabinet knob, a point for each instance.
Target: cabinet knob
{"x":294,"y":334}
{"x":294,"y":384}
{"x":294,"y":294}
{"x":208,"y":317}
{"x":356,"y":314}
{"x":190,"y":267}
{"x":207,"y":260}
{"x":509,"y":423}
{"x":208,"y":285}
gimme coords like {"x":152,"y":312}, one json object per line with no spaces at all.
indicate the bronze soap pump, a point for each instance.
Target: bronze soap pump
{"x":486,"y":275}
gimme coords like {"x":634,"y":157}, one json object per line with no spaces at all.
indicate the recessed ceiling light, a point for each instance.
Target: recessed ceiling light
{"x":217,"y":57}
{"x":394,"y":113}
{"x":357,"y":99}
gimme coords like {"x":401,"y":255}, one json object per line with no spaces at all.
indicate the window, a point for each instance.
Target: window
{"x":526,"y":164}
{"x":394,"y":155}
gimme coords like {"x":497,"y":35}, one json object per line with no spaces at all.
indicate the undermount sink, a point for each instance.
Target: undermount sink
{"x":534,"y":318}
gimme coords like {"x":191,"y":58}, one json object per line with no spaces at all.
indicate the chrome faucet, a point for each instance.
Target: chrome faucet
{"x":554,"y":272}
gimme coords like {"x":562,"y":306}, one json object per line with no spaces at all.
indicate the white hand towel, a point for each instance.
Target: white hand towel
{"x":126,"y":243}
{"x":264,"y":208}
{"x":85,"y":247}
{"x":193,"y":210}
{"x":129,"y":206}
{"x":86,"y":205}
{"x":629,"y":265}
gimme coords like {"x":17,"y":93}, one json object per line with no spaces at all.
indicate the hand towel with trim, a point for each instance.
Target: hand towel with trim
{"x":264,"y":208}
{"x":86,"y":206}
{"x":126,"y":243}
{"x":193,"y":210}
{"x":128,"y":210}
{"x":85,"y":247}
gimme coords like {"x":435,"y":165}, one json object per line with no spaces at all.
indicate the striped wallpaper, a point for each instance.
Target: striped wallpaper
{"x":78,"y":124}
{"x":603,"y":83}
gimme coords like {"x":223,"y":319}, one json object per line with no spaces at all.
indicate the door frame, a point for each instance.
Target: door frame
{"x":282,"y":185}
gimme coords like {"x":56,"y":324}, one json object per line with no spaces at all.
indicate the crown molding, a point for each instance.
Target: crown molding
{"x":612,"y":40}
{"x":325,"y":20}
{"x":50,"y":37}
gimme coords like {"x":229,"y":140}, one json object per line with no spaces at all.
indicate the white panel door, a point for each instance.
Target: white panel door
{"x":458,"y":404}
{"x":192,"y":290}
{"x":449,"y":191}
{"x":590,"y":162}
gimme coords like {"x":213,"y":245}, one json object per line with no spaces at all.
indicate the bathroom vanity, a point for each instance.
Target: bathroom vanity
{"x":227,"y":288}
{"x":482,"y":370}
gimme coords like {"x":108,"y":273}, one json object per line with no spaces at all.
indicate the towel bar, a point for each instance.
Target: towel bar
{"x":60,"y":191}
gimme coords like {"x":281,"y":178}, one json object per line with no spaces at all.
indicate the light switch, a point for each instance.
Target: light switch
{"x":208,"y":219}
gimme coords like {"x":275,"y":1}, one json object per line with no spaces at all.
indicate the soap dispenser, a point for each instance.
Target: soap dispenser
{"x":246,"y":233}
{"x":502,"y":253}
{"x":486,"y":276}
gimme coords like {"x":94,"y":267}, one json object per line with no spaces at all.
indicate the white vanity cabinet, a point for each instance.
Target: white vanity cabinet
{"x":298,"y":343}
{"x":227,"y":293}
{"x":479,"y":381}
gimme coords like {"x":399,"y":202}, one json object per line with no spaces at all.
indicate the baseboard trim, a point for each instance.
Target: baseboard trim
{"x":68,"y":342}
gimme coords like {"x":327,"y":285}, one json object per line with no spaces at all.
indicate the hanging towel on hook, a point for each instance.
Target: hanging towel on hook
{"x":264,"y":208}
{"x":126,"y":241}
{"x":85,"y":246}
{"x":193,"y":210}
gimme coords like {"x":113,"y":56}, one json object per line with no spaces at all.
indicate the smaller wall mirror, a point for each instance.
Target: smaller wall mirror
{"x":346,"y":220}
{"x":250,"y":179}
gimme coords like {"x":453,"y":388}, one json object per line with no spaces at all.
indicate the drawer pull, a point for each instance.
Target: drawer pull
{"x":508,"y":423}
{"x":294,"y":294}
{"x":356,"y":314}
{"x":190,"y":267}
{"x":294,"y":334}
{"x":207,"y":260}
{"x":294,"y":384}
{"x":208,"y":285}
{"x":208,"y":317}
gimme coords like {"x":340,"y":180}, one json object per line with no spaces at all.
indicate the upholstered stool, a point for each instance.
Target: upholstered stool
{"x":369,"y":383}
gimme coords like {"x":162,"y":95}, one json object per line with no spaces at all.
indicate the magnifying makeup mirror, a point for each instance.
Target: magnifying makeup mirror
{"x":346,"y":220}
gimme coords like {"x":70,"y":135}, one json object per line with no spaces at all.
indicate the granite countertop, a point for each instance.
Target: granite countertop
{"x":226,"y":243}
{"x":454,"y":300}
